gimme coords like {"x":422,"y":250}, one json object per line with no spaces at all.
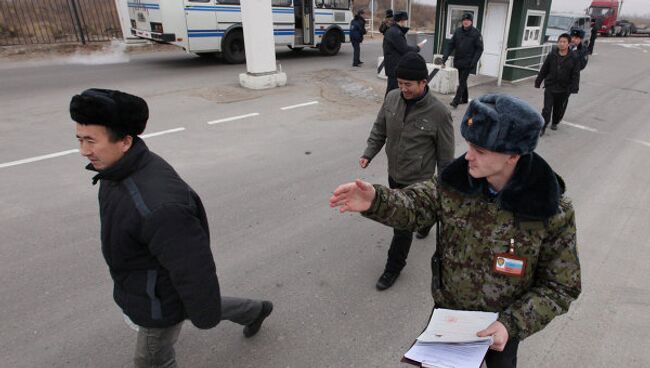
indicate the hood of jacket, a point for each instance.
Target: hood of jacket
{"x":533,"y":192}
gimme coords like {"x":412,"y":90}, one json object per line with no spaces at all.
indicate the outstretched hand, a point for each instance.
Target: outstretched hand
{"x":353,"y":197}
{"x":499,"y":335}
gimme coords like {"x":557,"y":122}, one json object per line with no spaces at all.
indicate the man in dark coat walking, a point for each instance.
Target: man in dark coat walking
{"x":561,"y":76}
{"x":395,"y":47}
{"x":154,"y":232}
{"x":357,"y":31}
{"x":468,"y":44}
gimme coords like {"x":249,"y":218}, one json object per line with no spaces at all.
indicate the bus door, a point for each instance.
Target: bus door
{"x":304,"y":10}
{"x":202,"y":31}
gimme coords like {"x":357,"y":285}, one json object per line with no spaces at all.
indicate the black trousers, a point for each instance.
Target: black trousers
{"x":391,"y":84}
{"x":357,"y":53}
{"x":503,"y":359}
{"x":462,"y":94}
{"x":401,"y":243}
{"x":555,"y":105}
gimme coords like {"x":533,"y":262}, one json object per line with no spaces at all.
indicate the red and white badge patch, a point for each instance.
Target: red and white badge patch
{"x":509,"y":264}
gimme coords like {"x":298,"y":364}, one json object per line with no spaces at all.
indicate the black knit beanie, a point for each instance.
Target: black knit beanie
{"x":412,"y":66}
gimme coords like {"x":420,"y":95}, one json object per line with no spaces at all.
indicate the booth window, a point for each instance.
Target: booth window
{"x":455,"y":17}
{"x":533,"y":30}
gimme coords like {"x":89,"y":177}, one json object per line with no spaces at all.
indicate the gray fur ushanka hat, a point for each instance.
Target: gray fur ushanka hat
{"x":502,"y":123}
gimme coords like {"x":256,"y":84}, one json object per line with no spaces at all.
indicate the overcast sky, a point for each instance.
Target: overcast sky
{"x":630,"y":7}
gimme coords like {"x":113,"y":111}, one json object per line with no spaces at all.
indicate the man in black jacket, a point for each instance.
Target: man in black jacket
{"x":154,"y":232}
{"x":468,"y":43}
{"x":577,"y":47}
{"x":561,"y":76}
{"x":395,"y":47}
{"x":357,"y":30}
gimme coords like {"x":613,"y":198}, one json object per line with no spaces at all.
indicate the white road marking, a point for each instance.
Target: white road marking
{"x":175,"y":130}
{"x":233,"y":118}
{"x":580,"y":127}
{"x":64,"y":153}
{"x":38,"y":158}
{"x":299,"y":105}
{"x":647,"y":144}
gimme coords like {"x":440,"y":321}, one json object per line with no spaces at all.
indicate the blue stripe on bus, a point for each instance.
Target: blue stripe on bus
{"x":231,"y":9}
{"x":144,"y":6}
{"x":220,"y":33}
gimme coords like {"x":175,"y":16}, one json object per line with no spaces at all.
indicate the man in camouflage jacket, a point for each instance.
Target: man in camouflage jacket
{"x":500,"y":192}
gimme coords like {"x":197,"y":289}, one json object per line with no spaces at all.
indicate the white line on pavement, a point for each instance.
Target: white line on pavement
{"x":38,"y":158}
{"x":647,"y":144}
{"x":175,"y":130}
{"x":63,"y":153}
{"x":299,"y":105}
{"x":233,"y":118}
{"x":580,"y":127}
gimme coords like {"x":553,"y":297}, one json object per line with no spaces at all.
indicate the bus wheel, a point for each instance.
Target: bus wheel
{"x":330,"y":45}
{"x":233,"y":47}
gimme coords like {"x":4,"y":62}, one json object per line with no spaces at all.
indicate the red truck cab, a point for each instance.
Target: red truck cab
{"x":604,"y":14}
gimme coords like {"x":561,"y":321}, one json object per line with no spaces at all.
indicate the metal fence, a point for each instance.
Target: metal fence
{"x":33,"y":22}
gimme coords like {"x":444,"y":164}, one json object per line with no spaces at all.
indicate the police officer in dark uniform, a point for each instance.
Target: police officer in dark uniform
{"x":468,"y":44}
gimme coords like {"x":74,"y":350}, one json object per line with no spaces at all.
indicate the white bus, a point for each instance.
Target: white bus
{"x":207,"y":27}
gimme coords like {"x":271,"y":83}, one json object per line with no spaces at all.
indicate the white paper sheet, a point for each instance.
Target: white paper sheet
{"x":453,"y":326}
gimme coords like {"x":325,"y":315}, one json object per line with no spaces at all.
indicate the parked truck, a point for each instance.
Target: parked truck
{"x":604,"y":14}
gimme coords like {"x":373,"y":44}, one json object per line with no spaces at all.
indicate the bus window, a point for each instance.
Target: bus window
{"x":336,"y":4}
{"x":286,"y":3}
{"x":228,"y":2}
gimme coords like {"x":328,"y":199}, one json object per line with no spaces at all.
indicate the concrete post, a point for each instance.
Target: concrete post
{"x":259,"y":43}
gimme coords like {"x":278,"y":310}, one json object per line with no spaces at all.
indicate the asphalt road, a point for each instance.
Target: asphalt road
{"x":265,"y":181}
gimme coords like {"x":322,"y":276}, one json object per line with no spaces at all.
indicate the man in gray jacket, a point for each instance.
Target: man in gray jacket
{"x":418,"y":133}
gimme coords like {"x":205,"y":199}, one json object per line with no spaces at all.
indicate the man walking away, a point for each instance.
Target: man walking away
{"x":154,"y":232}
{"x":418,"y":133}
{"x":395,"y":47}
{"x":357,"y":31}
{"x":468,"y":44}
{"x":561,"y":76}
{"x":387,"y":22}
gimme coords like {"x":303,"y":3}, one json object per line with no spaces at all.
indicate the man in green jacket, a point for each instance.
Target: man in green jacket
{"x":418,"y":133}
{"x":508,"y":235}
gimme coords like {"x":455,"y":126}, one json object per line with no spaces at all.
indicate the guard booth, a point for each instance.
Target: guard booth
{"x":513,"y":33}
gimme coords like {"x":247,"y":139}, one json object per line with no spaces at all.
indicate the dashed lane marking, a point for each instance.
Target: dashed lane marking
{"x":647,"y":144}
{"x":38,"y":158}
{"x":64,"y":153}
{"x":175,"y":130}
{"x":580,"y":127}
{"x":233,"y":118}
{"x":299,"y":105}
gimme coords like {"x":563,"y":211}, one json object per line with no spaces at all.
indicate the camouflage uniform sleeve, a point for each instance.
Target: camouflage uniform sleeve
{"x":557,"y":279}
{"x":412,"y":208}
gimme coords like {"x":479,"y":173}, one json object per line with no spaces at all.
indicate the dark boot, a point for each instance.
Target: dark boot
{"x":386,"y":280}
{"x":251,"y":329}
